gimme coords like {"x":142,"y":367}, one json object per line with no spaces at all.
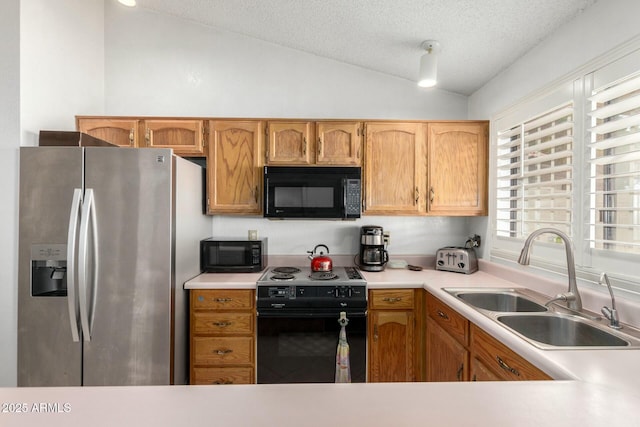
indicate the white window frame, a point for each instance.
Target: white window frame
{"x":549,"y":258}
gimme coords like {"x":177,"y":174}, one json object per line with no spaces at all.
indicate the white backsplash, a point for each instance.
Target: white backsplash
{"x":409,"y":235}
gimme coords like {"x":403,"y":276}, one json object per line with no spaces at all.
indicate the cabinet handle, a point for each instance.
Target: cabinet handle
{"x":431,"y":194}
{"x":304,"y":146}
{"x":474,"y":378}
{"x":417,"y":195}
{"x":506,"y":367}
{"x":459,"y":373}
{"x":131,"y":136}
{"x":319,"y":146}
{"x":223,"y":300}
{"x":392,"y":300}
{"x":219,"y":382}
{"x":443,"y":315}
{"x":223,"y":324}
{"x":222,"y":352}
{"x":375,"y":333}
{"x":147,"y":136}
{"x":256,"y":194}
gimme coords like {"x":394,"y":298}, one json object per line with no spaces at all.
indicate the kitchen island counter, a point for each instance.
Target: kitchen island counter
{"x":527,"y":403}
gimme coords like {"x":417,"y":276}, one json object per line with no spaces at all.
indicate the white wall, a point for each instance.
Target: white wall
{"x":52,"y":67}
{"x":9,"y":142}
{"x":599,"y":29}
{"x":162,"y":65}
{"x":61,"y":63}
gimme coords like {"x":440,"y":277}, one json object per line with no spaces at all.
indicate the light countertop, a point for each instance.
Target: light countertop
{"x":478,"y":404}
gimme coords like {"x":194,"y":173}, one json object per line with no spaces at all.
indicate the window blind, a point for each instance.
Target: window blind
{"x":535,"y":174}
{"x":614,"y":178}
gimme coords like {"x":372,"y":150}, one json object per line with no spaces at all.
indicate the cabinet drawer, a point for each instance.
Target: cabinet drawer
{"x":222,"y":299}
{"x":501,"y":360}
{"x":452,"y":322}
{"x":222,"y":323}
{"x":202,"y":376}
{"x":391,"y":298}
{"x":223,"y":351}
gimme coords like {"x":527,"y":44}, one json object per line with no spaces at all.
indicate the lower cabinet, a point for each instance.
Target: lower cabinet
{"x":222,"y":336}
{"x":393,"y":343}
{"x":458,"y":350}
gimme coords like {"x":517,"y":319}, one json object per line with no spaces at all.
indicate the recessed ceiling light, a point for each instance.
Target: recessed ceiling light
{"x":130,"y":3}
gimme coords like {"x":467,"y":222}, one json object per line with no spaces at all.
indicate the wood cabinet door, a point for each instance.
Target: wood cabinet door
{"x":395,"y":169}
{"x":457,"y":168}
{"x":478,"y":371}
{"x":185,"y":136}
{"x":447,"y":359}
{"x":290,"y":143}
{"x":339,"y":143}
{"x":121,"y":132}
{"x":391,"y":346}
{"x":234,"y":167}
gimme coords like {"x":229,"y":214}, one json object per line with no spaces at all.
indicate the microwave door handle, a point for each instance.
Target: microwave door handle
{"x":344,"y":197}
{"x":72,"y":297}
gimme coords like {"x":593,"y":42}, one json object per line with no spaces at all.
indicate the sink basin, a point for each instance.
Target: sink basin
{"x":503,"y":301}
{"x":561,"y":331}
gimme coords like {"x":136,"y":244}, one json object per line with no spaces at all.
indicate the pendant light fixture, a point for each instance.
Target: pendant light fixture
{"x":428,"y":76}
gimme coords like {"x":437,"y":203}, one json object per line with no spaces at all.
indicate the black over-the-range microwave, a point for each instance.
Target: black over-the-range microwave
{"x":322,"y":192}
{"x":225,"y":255}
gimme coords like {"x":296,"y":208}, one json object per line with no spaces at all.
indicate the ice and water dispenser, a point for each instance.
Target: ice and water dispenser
{"x":49,"y":270}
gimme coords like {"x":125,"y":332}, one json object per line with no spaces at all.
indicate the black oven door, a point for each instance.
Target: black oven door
{"x":302,"y":348}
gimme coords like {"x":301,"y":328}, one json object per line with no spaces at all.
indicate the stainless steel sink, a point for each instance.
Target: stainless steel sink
{"x":559,"y":330}
{"x":499,"y":300}
{"x":523,"y":312}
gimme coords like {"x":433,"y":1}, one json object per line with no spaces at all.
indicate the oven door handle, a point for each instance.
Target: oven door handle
{"x":308,"y":314}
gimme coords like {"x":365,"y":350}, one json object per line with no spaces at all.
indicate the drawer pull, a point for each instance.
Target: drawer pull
{"x":222,"y":352}
{"x":223,"y":324}
{"x":220,"y":382}
{"x":460,"y":371}
{"x":223,"y":300}
{"x":443,"y":315}
{"x":506,"y":367}
{"x":392,"y":300}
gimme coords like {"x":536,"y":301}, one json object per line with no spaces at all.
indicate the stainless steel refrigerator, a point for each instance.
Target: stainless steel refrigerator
{"x":107,"y":238}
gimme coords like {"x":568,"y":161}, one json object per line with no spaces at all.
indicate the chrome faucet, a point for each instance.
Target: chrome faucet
{"x":572,"y":296}
{"x":610,"y":313}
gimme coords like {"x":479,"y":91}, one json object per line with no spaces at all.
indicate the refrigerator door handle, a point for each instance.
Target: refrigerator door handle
{"x":88,"y":217}
{"x":72,"y":297}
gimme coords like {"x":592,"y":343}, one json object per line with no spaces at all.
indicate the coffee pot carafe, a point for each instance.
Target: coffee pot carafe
{"x":373,"y":254}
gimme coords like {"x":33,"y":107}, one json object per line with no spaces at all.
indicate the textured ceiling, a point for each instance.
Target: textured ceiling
{"x":479,"y":38}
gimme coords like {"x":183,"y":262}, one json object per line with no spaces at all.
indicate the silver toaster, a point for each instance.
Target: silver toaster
{"x":457,"y":259}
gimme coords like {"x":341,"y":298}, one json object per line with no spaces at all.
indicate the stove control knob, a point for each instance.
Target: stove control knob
{"x":349,"y":292}
{"x":336,"y":292}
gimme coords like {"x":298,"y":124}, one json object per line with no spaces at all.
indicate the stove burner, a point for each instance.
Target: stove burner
{"x":282,"y":276}
{"x":286,"y":270}
{"x":323,"y":275}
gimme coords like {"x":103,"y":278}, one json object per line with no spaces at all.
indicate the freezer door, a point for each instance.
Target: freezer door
{"x":129,"y":305}
{"x":47,"y":355}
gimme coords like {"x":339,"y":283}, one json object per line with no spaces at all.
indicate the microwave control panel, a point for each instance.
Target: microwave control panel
{"x":353,"y":198}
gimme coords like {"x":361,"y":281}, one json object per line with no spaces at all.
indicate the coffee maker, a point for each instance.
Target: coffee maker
{"x":373,"y":255}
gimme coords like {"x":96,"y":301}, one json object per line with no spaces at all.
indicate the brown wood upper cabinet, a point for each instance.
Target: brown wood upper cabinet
{"x":290,"y":143}
{"x":119,"y":131}
{"x":457,"y":168}
{"x":339,"y":143}
{"x":395,"y":168}
{"x":234,"y":167}
{"x":313,"y":143}
{"x":185,"y":136}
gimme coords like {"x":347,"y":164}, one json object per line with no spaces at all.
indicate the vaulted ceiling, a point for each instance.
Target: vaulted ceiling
{"x":479,"y":38}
